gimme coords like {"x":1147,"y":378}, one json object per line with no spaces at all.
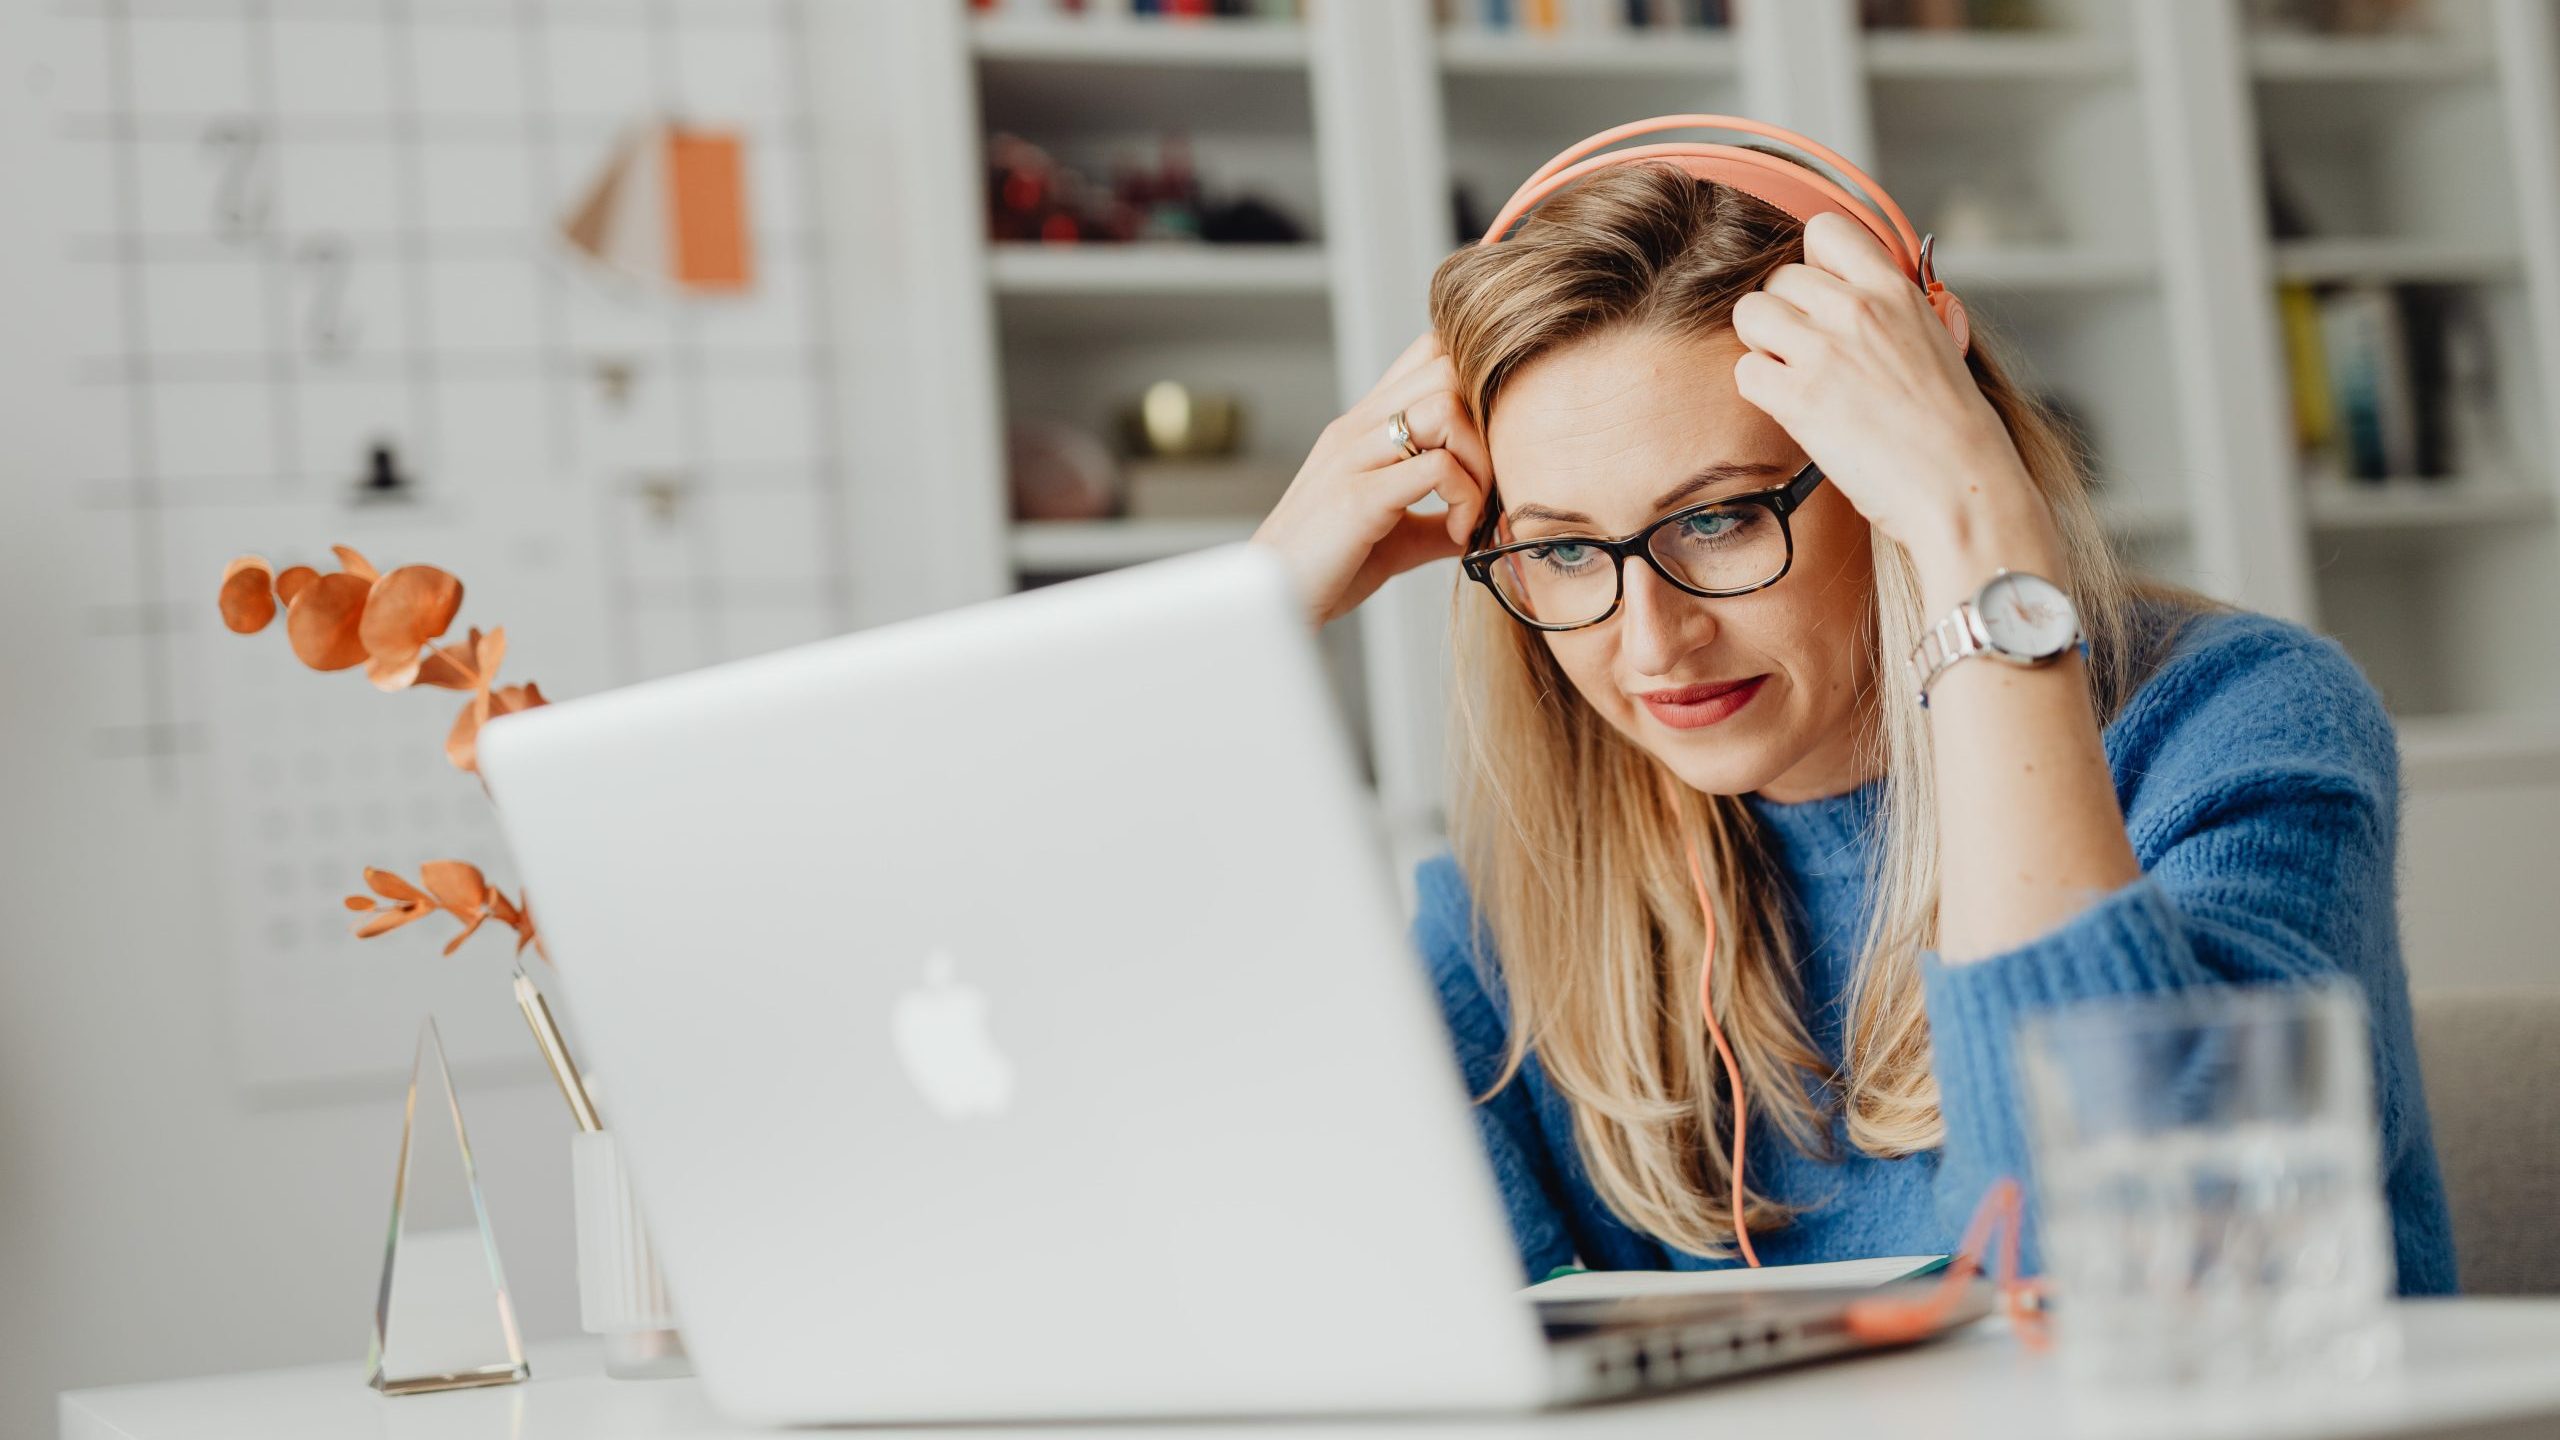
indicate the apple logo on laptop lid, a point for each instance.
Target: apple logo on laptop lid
{"x":940,"y":1031}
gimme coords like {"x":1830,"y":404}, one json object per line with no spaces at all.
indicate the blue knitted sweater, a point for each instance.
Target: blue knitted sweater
{"x":2259,"y":779}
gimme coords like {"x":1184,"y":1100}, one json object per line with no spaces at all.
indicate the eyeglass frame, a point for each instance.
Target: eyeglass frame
{"x":1781,"y":500}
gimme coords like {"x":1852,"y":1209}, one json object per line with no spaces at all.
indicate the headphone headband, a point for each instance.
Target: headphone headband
{"x":1790,"y":184}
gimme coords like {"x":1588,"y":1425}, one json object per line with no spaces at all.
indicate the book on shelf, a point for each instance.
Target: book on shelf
{"x":2389,"y":381}
{"x":2365,"y":348}
{"x":1144,"y":9}
{"x":1951,"y":15}
{"x":2306,"y":370}
{"x":1583,"y":17}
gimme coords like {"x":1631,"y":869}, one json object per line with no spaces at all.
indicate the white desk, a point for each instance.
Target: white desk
{"x":2477,"y":1369}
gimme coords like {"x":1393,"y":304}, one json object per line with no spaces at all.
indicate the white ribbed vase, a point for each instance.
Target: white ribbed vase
{"x":621,"y":1295}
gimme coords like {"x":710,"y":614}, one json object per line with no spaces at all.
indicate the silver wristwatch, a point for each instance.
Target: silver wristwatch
{"x":2023,"y":619}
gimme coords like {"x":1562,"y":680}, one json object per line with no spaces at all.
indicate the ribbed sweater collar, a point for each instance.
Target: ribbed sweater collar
{"x":1826,"y":837}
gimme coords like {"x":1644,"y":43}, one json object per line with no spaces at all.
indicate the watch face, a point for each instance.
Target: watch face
{"x":2026,"y":616}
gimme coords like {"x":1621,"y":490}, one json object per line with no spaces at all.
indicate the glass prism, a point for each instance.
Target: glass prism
{"x":442,"y":1320}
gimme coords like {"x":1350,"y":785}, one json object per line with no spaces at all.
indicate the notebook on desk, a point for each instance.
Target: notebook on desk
{"x":1822,"y":1275}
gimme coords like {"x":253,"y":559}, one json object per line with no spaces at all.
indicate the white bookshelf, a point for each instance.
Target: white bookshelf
{"x":2045,"y":135}
{"x":2462,"y":57}
{"x":2428,"y":160}
{"x":1156,"y":268}
{"x":2408,"y":505}
{"x":1675,"y":55}
{"x":2146,"y":301}
{"x":1067,"y":39}
{"x":2069,"y":56}
{"x":2395,"y":259}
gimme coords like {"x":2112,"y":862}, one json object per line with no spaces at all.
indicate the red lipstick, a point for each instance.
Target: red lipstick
{"x":1693,"y":707}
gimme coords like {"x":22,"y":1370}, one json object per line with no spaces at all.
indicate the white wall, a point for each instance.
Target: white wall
{"x":153,"y":1222}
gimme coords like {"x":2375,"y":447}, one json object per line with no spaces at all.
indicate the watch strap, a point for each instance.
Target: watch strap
{"x":1942,"y":645}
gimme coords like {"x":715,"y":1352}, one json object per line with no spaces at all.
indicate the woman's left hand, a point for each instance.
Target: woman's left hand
{"x":1844,"y":352}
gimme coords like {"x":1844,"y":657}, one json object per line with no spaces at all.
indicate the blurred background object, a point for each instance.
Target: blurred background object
{"x":2291,"y":272}
{"x":1032,"y":197}
{"x":1060,"y":472}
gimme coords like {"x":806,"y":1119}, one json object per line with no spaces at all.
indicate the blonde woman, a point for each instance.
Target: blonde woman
{"x":1717,"y":475}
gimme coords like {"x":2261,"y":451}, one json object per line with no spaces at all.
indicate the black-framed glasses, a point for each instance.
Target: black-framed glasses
{"x":1724,"y":547}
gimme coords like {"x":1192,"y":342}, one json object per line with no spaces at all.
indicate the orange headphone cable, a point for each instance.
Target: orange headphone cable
{"x":1715,"y":1033}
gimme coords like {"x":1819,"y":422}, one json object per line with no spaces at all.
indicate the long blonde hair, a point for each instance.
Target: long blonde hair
{"x":1570,"y":839}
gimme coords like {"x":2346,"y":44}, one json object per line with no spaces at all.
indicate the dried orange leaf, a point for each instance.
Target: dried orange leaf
{"x":352,"y":563}
{"x":360,"y":902}
{"x":386,"y":920}
{"x":456,"y":942}
{"x":387,"y":884}
{"x":492,"y":649}
{"x":462,"y":743}
{"x":404,"y":610}
{"x":447,"y":668}
{"x":509,"y":699}
{"x":294,"y":581}
{"x":458,"y":887}
{"x":322,"y":622}
{"x":248,"y":594}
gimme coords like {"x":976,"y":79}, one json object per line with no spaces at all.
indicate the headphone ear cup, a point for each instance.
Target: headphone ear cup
{"x":1951,"y":313}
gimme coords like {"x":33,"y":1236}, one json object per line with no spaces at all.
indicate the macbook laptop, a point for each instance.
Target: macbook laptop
{"x":1009,"y":1014}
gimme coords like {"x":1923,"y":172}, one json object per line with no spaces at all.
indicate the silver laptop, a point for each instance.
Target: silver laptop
{"x":1009,"y":1014}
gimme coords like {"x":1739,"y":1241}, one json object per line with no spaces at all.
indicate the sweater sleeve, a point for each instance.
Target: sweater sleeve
{"x":1478,"y":1033}
{"x":2260,"y":787}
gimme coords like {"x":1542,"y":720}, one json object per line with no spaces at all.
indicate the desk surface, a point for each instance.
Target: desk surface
{"x":2476,"y":1368}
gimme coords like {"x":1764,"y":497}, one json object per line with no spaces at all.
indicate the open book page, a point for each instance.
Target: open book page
{"x":1618,"y":1284}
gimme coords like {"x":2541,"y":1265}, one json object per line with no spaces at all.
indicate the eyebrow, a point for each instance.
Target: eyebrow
{"x":1716,"y":474}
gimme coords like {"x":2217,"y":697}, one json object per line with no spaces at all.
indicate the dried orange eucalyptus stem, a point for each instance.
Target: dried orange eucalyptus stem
{"x":389,"y":623}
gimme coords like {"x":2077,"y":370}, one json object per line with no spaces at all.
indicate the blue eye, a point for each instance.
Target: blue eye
{"x":1712,"y":525}
{"x":1564,"y":558}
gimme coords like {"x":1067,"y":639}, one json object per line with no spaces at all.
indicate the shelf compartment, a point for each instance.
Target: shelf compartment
{"x":1160,"y":292}
{"x":1215,"y":44}
{"x":2338,"y":506}
{"x":1166,"y":268}
{"x":2043,"y":267}
{"x":2054,"y":58}
{"x":1503,"y":123}
{"x":1079,"y":547}
{"x":1128,"y":98}
{"x":2399,"y":59}
{"x":2105,"y":356}
{"x":2425,"y":163}
{"x":1664,"y":53}
{"x":2392,"y":260}
{"x":2446,"y":620}
{"x":2050,"y":157}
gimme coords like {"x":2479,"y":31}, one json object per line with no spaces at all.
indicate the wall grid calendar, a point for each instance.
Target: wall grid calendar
{"x":320,"y":296}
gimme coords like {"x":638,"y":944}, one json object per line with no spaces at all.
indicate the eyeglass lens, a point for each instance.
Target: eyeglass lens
{"x":1568,"y":581}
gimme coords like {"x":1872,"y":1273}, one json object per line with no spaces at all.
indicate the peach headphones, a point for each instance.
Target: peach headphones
{"x":1792,"y":185}
{"x":1797,"y":188}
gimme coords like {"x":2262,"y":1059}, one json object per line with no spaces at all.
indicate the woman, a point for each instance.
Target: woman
{"x":2196,"y":796}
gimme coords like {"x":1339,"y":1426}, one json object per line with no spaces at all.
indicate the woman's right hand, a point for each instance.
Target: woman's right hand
{"x":1346,"y":524}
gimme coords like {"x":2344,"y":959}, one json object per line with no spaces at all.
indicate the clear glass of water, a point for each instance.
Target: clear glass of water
{"x":2209,"y":1186}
